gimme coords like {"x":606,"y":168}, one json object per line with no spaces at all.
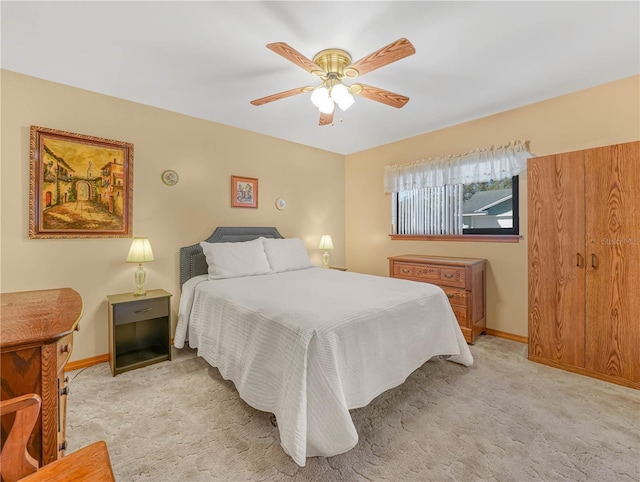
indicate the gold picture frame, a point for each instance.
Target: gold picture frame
{"x":244,"y":192}
{"x":79,"y":186}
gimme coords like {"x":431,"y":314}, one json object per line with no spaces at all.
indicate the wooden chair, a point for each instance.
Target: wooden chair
{"x":89,"y":464}
{"x":15,"y":461}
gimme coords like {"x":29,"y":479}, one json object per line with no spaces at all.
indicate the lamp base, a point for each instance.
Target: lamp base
{"x":325,"y":259}
{"x":140,"y":276}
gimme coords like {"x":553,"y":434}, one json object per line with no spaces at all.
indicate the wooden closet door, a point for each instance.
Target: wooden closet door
{"x":613,"y":261}
{"x":556,"y":259}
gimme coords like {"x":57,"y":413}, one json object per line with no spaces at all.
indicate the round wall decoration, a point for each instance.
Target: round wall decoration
{"x":169,"y":177}
{"x":281,"y":203}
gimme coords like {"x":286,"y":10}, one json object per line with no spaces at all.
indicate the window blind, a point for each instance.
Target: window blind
{"x":432,"y":210}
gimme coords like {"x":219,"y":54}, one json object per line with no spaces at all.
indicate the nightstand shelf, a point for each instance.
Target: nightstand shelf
{"x":141,"y":358}
{"x":139,"y":330}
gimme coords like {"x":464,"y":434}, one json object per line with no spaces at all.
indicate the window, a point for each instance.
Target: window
{"x":491,"y":207}
{"x":457,"y":209}
{"x":455,"y":195}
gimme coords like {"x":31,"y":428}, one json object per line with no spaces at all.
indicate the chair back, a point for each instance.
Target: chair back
{"x":15,"y":461}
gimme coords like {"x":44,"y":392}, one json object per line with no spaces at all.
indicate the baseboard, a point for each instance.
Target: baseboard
{"x":588,"y":373}
{"x":507,"y":336}
{"x":86,"y":362}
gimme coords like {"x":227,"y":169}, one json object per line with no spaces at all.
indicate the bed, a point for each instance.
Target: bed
{"x":307,"y":343}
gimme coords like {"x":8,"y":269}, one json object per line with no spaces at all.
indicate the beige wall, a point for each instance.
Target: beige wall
{"x":599,"y":116}
{"x":204,"y":154}
{"x":324,"y":191}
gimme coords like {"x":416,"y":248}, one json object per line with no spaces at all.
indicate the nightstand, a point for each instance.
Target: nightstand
{"x":139,"y":330}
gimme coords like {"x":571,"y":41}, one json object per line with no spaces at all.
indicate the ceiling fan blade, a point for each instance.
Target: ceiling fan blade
{"x":296,"y":57}
{"x":280,"y":95}
{"x":326,"y":119}
{"x":380,"y":95}
{"x":397,"y":50}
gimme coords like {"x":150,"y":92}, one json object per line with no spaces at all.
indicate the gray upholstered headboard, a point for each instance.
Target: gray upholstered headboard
{"x":193,"y":261}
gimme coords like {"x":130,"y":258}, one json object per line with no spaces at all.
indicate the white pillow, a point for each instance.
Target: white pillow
{"x":232,"y":260}
{"x":286,"y":254}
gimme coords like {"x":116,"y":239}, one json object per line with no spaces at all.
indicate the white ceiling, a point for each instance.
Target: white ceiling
{"x":208,"y":59}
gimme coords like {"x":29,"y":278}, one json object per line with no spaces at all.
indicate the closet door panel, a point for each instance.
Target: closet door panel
{"x":556,"y":258}
{"x":612,"y":327}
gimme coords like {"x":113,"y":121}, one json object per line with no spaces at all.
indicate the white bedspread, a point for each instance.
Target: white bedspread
{"x":309,"y":345}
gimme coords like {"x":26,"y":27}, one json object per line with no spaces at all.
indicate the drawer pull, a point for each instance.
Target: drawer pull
{"x":66,"y":348}
{"x":143,"y":310}
{"x":62,"y":447}
{"x":65,"y":391}
{"x":406,"y":270}
{"x":448,"y":275}
{"x":450,"y":295}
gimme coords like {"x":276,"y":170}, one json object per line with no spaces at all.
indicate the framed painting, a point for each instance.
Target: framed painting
{"x":79,"y":186}
{"x":244,"y":192}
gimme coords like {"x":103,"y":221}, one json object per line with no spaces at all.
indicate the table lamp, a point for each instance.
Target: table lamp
{"x":140,"y":252}
{"x":326,"y":244}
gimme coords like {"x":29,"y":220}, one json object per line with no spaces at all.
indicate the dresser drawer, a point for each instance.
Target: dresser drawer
{"x":452,"y":276}
{"x":403,"y":270}
{"x":456,"y":296}
{"x":140,"y":310}
{"x":427,"y":272}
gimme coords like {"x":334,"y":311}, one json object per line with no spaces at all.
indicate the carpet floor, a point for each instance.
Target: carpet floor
{"x":503,"y":419}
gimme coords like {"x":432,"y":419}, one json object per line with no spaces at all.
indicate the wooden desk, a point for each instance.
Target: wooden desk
{"x":89,"y":464}
{"x":35,"y":344}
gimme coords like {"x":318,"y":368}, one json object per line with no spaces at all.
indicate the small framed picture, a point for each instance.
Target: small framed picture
{"x":244,"y":192}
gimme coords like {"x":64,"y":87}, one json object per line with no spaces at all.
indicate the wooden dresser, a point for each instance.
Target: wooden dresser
{"x":36,"y":339}
{"x":462,"y":279}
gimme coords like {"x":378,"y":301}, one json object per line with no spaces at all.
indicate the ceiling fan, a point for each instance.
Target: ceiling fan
{"x":334,"y":65}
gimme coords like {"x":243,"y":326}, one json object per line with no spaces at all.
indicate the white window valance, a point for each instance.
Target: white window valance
{"x":480,"y":165}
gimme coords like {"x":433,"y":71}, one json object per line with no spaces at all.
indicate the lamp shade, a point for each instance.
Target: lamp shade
{"x":339,"y":92}
{"x":325,"y":242}
{"x":327,"y":106}
{"x":140,"y":251}
{"x":346,"y":102}
{"x":340,"y":95}
{"x":319,"y":96}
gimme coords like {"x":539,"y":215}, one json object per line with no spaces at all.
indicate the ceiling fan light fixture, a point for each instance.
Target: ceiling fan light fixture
{"x":341,"y":96}
{"x":332,"y":66}
{"x":346,"y":103}
{"x":319,"y":96}
{"x":338,"y":92}
{"x":327,"y":106}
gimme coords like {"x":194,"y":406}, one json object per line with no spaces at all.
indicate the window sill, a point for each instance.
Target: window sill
{"x":474,"y":238}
